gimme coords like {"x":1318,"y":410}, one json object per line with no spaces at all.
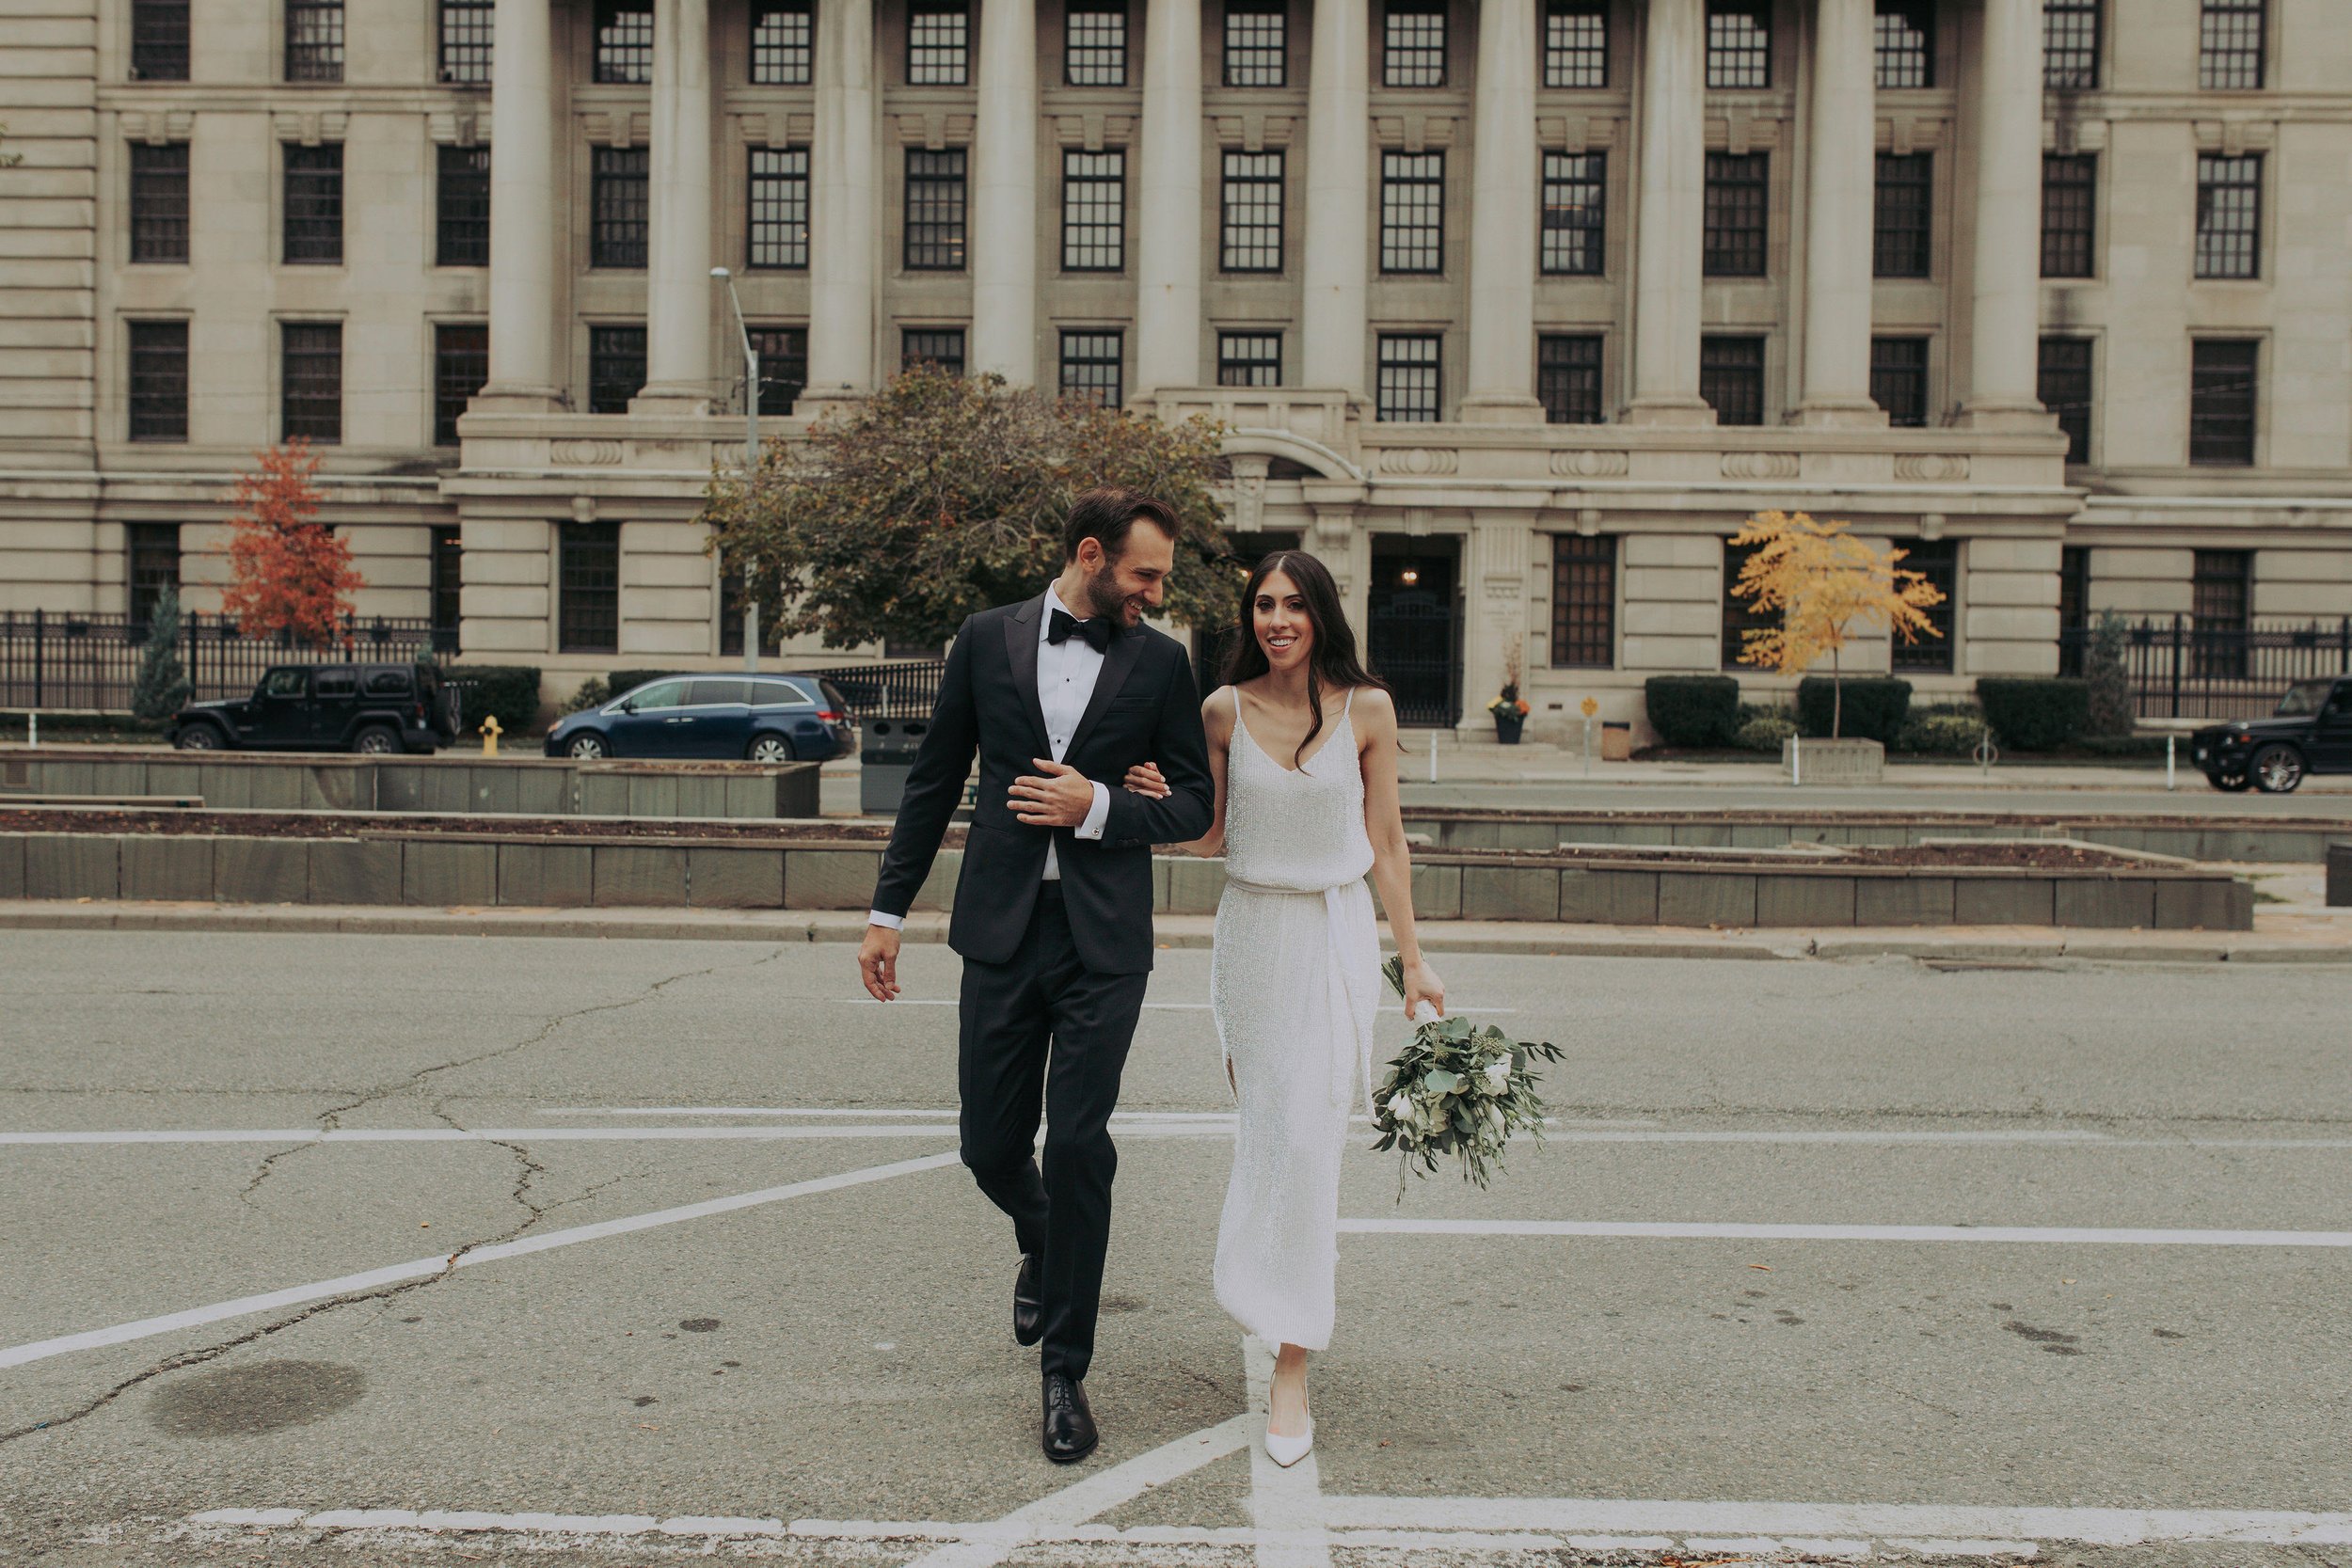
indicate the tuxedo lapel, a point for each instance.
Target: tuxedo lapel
{"x":1118,"y":662}
{"x":1021,"y":649}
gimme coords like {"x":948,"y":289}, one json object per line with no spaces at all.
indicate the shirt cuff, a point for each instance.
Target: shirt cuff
{"x":1098,"y":815}
{"x":890,"y":922}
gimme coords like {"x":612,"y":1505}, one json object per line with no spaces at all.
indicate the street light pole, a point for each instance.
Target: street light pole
{"x":750,"y":458}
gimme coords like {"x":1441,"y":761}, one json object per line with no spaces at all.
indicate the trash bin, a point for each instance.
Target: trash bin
{"x":2340,"y":873}
{"x":886,"y":748}
{"x":1616,"y":739}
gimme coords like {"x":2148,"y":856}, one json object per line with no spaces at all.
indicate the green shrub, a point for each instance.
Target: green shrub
{"x":2112,"y":711}
{"x":591,"y":693}
{"x":1874,"y":707}
{"x":1692,"y":710}
{"x":1765,"y":732}
{"x":2035,"y":714}
{"x":618,"y":681}
{"x":161,"y":687}
{"x":509,"y":690}
{"x":1953,"y":733}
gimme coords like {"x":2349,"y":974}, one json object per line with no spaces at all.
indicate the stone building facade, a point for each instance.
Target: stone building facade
{"x":1515,"y":308}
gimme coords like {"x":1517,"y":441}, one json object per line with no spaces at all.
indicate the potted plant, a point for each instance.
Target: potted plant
{"x":1510,"y":708}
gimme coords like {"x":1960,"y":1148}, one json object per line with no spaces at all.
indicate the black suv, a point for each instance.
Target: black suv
{"x":2312,"y":733}
{"x":376,"y":708}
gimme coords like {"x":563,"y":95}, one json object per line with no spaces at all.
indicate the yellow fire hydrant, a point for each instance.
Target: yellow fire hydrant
{"x":490,"y":732}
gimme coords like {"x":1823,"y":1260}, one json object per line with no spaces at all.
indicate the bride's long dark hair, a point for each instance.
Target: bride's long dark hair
{"x":1331,"y":662}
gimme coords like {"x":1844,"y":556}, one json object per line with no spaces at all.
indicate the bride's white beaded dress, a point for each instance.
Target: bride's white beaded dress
{"x":1294,"y":982}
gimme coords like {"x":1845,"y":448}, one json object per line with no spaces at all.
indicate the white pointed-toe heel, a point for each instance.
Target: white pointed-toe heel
{"x":1287,"y":1452}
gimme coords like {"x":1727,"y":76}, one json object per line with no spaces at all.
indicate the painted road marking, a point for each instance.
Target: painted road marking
{"x":1672,"y":1230}
{"x":1142,"y":1125}
{"x":1285,"y":1506}
{"x":196,"y":1317}
{"x":1148,"y":1006}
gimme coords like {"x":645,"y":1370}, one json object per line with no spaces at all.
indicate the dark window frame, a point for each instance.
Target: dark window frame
{"x":1898,"y":379}
{"x":1412,"y":214}
{"x":1094,"y":210}
{"x":1738,"y":617}
{"x":2224,"y":401}
{"x":616,"y":365}
{"x":155,"y":379}
{"x":776,"y":209}
{"x":1738,"y":45}
{"x":939,"y":44}
{"x":1938,"y":561}
{"x":312,"y":205}
{"x":620,"y":208}
{"x":1584,"y":601}
{"x":1738,"y":226}
{"x":314,"y":41}
{"x":1568,"y":367}
{"x":2221,"y":603}
{"x":1255,"y":53}
{"x":1094,"y":61}
{"x":1733,"y":364}
{"x":461,"y":368}
{"x":159,"y":41}
{"x":2072,"y":32}
{"x":2228,"y":217}
{"x":463,"y":54}
{"x":1414,"y":61}
{"x":1576,"y":44}
{"x":1236,"y":368}
{"x":1092,"y":361}
{"x":446,"y":580}
{"x":782,"y":349}
{"x":1902,"y":216}
{"x":588,"y":588}
{"x":2070,"y":214}
{"x":1903,"y":44}
{"x":152,"y":560}
{"x":158,"y":193}
{"x":2065,"y":383}
{"x":621,"y":42}
{"x":1572,"y":224}
{"x":461,"y":206}
{"x":940,"y":188}
{"x":943,"y":346}
{"x":310,"y":382}
{"x":2233,"y":45}
{"x":1234,"y":197}
{"x":1391,"y":392}
{"x":783,"y":43}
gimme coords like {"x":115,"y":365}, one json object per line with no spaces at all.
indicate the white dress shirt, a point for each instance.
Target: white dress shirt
{"x":1066,"y":673}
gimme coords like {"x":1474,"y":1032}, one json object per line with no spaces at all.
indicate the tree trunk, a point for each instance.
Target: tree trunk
{"x":1836,"y":695}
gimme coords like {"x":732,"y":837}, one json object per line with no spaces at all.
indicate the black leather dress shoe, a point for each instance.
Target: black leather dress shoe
{"x":1070,"y":1434}
{"x":1029,"y":1304}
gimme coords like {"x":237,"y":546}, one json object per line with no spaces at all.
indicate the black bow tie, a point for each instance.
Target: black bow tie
{"x":1097,"y":631}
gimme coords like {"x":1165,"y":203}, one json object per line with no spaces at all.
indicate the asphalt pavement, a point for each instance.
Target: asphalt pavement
{"x":411,"y":1250}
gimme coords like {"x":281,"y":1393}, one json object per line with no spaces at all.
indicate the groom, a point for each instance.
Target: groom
{"x":1059,"y":696}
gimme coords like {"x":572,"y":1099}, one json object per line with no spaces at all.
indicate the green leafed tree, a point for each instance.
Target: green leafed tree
{"x":161,"y":687}
{"x":944,"y":495}
{"x":2112,"y":711}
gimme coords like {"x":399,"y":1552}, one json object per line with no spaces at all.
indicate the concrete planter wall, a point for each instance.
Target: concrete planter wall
{"x":1833,"y":762}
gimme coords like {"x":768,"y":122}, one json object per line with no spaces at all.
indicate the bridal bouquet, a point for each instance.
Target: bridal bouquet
{"x":1458,"y":1089}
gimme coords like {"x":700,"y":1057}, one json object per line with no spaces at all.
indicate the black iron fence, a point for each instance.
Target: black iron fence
{"x":907,"y":689}
{"x":79,"y":664}
{"x":2179,"y":670}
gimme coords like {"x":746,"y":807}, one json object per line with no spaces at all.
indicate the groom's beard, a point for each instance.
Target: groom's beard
{"x":1104,"y":598}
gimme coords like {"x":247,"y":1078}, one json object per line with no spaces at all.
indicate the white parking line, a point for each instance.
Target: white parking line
{"x":1286,"y":1506}
{"x":1143,"y":1126}
{"x":1673,"y":1230}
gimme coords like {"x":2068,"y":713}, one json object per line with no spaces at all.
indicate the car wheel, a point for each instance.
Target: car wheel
{"x":376,"y":740}
{"x":2232,"y":783}
{"x":770,"y":747}
{"x":197,"y":738}
{"x":586,"y":747}
{"x":2276,"y":768}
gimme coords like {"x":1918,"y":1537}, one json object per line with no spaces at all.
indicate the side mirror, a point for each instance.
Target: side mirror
{"x":628,"y":705}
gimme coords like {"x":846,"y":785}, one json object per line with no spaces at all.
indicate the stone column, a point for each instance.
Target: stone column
{"x":522,"y":208}
{"x":1004,"y":195}
{"x":1167,"y":262}
{"x":1841,"y":191}
{"x":1332,"y":318}
{"x":1502,"y":220}
{"x":1670,"y":233}
{"x":677,"y":263}
{"x":2004,"y":334}
{"x":842,"y":263}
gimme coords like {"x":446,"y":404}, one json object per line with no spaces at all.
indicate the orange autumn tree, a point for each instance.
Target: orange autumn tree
{"x":1825,"y":585}
{"x":287,"y":571}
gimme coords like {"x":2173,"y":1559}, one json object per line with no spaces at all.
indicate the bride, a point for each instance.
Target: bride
{"x":1302,"y":744}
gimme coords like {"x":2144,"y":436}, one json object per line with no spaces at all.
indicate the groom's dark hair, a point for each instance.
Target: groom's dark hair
{"x":1106,"y":512}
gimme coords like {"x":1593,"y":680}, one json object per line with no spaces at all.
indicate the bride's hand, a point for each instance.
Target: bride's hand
{"x":1422,"y":985}
{"x":1144,"y":779}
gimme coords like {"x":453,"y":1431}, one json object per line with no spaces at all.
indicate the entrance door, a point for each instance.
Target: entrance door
{"x":1414,"y":641}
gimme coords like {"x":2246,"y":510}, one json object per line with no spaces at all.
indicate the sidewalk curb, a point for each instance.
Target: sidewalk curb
{"x":1528,"y":940}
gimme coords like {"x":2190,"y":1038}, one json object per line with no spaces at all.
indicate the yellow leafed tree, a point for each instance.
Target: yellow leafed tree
{"x":1826,"y":586}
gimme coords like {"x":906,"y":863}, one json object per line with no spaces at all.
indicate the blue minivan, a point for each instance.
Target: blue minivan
{"x":742,"y":718}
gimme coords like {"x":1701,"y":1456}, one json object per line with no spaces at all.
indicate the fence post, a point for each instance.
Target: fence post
{"x":2177,"y":636}
{"x":41,"y":652}
{"x":2343,"y":645}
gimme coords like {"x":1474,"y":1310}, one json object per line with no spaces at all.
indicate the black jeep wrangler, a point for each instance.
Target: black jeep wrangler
{"x":376,"y":708}
{"x":2312,"y":733}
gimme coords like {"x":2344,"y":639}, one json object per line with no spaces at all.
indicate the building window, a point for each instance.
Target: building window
{"x":2070,"y":213}
{"x":1093,"y":211}
{"x":2220,"y":596}
{"x":314,"y":41}
{"x":1738,"y":43}
{"x":1902,"y":221}
{"x":616,"y":367}
{"x":2229,"y":214}
{"x":1906,"y":43}
{"x":314,"y":205}
{"x":1412,"y":44}
{"x":462,"y":208}
{"x":1090,"y":366}
{"x":159,"y":201}
{"x":1737,"y":185}
{"x":1408,"y":392}
{"x":783,"y":43}
{"x":1898,"y":380}
{"x":588,"y":577}
{"x":1739,"y":618}
{"x":778,"y":207}
{"x":941,"y":346}
{"x":782,"y":366}
{"x":1094,"y":43}
{"x":466,"y":38}
{"x":2070,"y":44}
{"x":1583,"y":602}
{"x":159,"y":41}
{"x":624,"y":42}
{"x":159,"y":381}
{"x":934,"y":216}
{"x":1731,"y":379}
{"x":617,"y":220}
{"x":1575,"y":204}
{"x":2074,"y":608}
{"x":152,"y":566}
{"x":1576,"y":43}
{"x":1938,"y":561}
{"x":1567,"y":377}
{"x":939,"y":44}
{"x":1256,"y":43}
{"x":1250,"y":358}
{"x":1250,"y":234}
{"x":2221,"y":401}
{"x":2062,"y":383}
{"x":1412,"y":211}
{"x":2229,"y":44}
{"x":461,"y":363}
{"x":448,"y":579}
{"x":311,"y":381}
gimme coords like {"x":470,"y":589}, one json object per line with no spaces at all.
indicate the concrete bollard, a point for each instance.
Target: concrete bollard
{"x":2340,"y":873}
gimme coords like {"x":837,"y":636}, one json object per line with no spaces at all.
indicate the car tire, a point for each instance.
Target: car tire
{"x":376,"y":740}
{"x":199,"y":737}
{"x":772,"y":749}
{"x":2276,"y":768}
{"x":587,"y":748}
{"x":2232,"y":783}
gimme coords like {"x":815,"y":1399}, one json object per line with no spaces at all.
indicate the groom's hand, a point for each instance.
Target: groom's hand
{"x":1057,"y":796}
{"x":877,"y":962}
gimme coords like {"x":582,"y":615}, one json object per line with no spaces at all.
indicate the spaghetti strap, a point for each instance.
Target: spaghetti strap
{"x":1236,"y":691}
{"x":1349,"y":706}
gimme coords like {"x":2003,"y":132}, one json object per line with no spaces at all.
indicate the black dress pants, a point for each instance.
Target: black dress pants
{"x":1043,"y":1028}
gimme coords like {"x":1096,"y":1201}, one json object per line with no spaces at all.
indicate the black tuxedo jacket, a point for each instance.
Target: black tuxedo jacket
{"x":1145,"y":708}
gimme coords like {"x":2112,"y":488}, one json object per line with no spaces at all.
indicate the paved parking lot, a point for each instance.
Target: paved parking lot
{"x":436,"y":1249}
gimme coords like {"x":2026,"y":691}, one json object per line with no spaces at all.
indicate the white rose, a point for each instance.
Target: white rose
{"x":1400,"y":1107}
{"x":1499,"y":1074}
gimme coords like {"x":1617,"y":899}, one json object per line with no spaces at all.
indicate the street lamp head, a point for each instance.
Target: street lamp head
{"x":720,"y":273}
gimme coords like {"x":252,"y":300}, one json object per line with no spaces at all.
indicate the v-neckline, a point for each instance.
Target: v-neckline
{"x":1242,"y":724}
